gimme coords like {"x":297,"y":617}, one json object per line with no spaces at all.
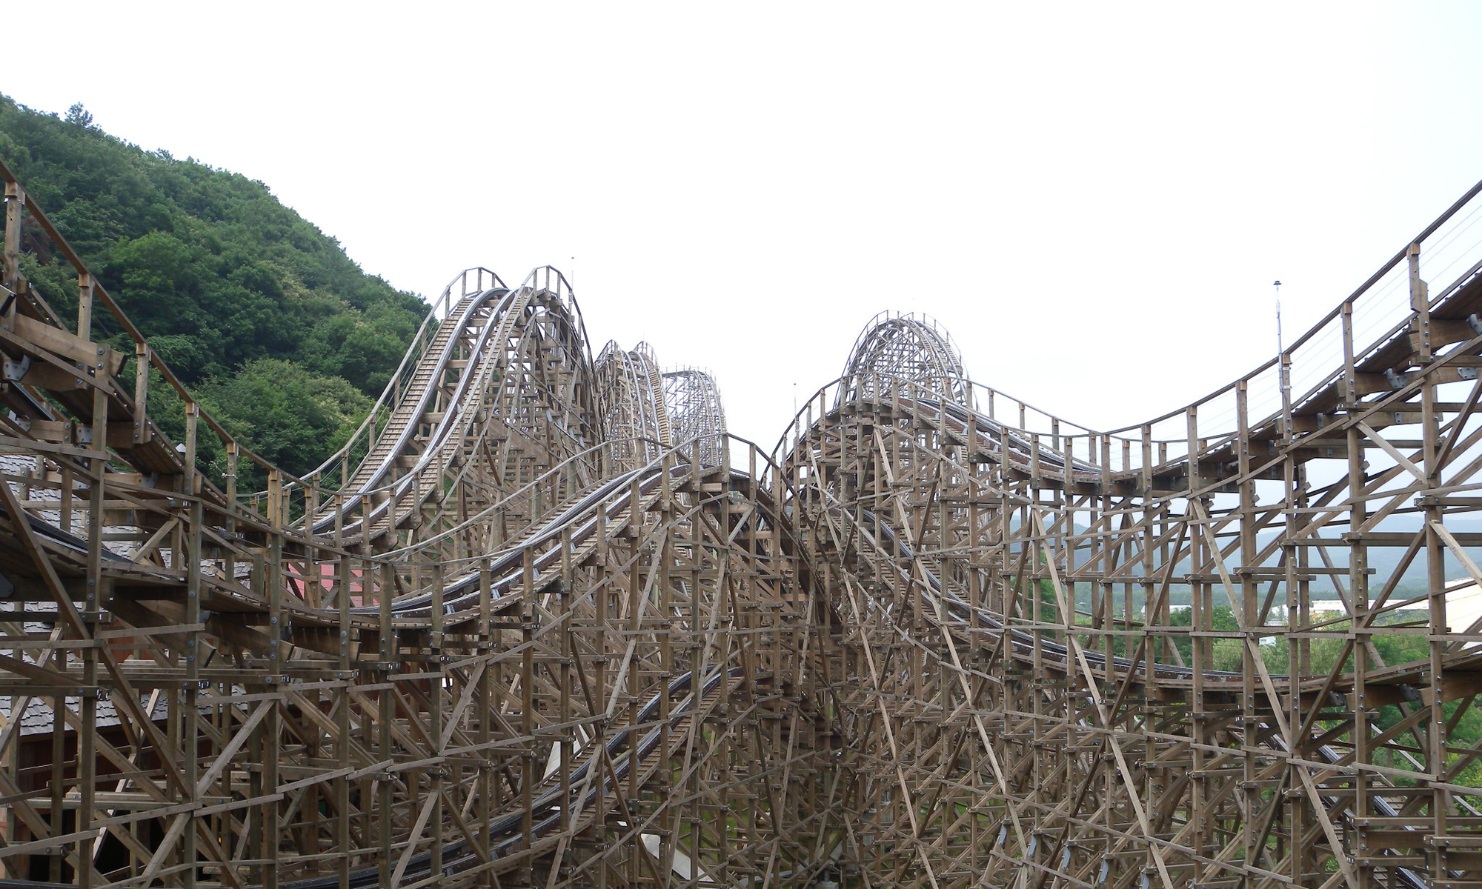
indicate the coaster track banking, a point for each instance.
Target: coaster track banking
{"x":542,"y":621}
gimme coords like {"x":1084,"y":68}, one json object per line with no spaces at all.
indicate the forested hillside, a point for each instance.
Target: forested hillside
{"x":279,"y":333}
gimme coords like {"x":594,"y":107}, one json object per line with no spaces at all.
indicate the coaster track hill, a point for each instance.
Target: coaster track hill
{"x":544,"y":622}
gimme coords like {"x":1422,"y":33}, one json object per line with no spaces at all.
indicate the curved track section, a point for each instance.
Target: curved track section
{"x":1169,"y":655}
{"x":696,"y":414}
{"x":910,"y":352}
{"x":635,"y":417}
{"x":503,"y":396}
{"x":531,"y":628}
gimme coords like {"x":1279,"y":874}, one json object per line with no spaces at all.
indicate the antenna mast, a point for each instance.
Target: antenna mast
{"x":1283,"y":364}
{"x":1279,"y":347}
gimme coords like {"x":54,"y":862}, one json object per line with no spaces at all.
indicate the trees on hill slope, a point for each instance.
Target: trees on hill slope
{"x":284,"y":338}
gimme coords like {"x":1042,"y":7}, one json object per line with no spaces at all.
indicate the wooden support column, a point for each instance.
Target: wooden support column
{"x":15,"y":202}
{"x":191,"y":486}
{"x":272,"y":726}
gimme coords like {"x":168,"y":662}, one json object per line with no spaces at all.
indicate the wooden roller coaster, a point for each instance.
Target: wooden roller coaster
{"x":542,"y":622}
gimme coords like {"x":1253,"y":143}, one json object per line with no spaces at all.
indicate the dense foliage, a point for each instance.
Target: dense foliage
{"x":279,"y":332}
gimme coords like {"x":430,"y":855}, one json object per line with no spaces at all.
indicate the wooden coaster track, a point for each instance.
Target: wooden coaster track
{"x":543,"y":622}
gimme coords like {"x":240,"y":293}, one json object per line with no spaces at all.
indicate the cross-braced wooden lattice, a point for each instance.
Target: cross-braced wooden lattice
{"x":543,"y":623}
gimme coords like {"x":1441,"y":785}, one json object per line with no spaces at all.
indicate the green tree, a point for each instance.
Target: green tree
{"x":217,"y":274}
{"x":289,"y":416}
{"x":77,"y":115}
{"x":192,"y":251}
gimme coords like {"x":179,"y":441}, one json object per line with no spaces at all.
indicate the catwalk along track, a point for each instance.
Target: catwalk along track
{"x":544,"y":623}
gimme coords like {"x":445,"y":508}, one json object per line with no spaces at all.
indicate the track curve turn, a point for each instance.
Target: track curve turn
{"x":544,"y":621}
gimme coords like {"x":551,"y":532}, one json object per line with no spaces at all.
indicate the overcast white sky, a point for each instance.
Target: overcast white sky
{"x":1093,"y":198}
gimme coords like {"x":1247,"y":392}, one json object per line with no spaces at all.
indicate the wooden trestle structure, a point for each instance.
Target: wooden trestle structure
{"x":543,"y":623}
